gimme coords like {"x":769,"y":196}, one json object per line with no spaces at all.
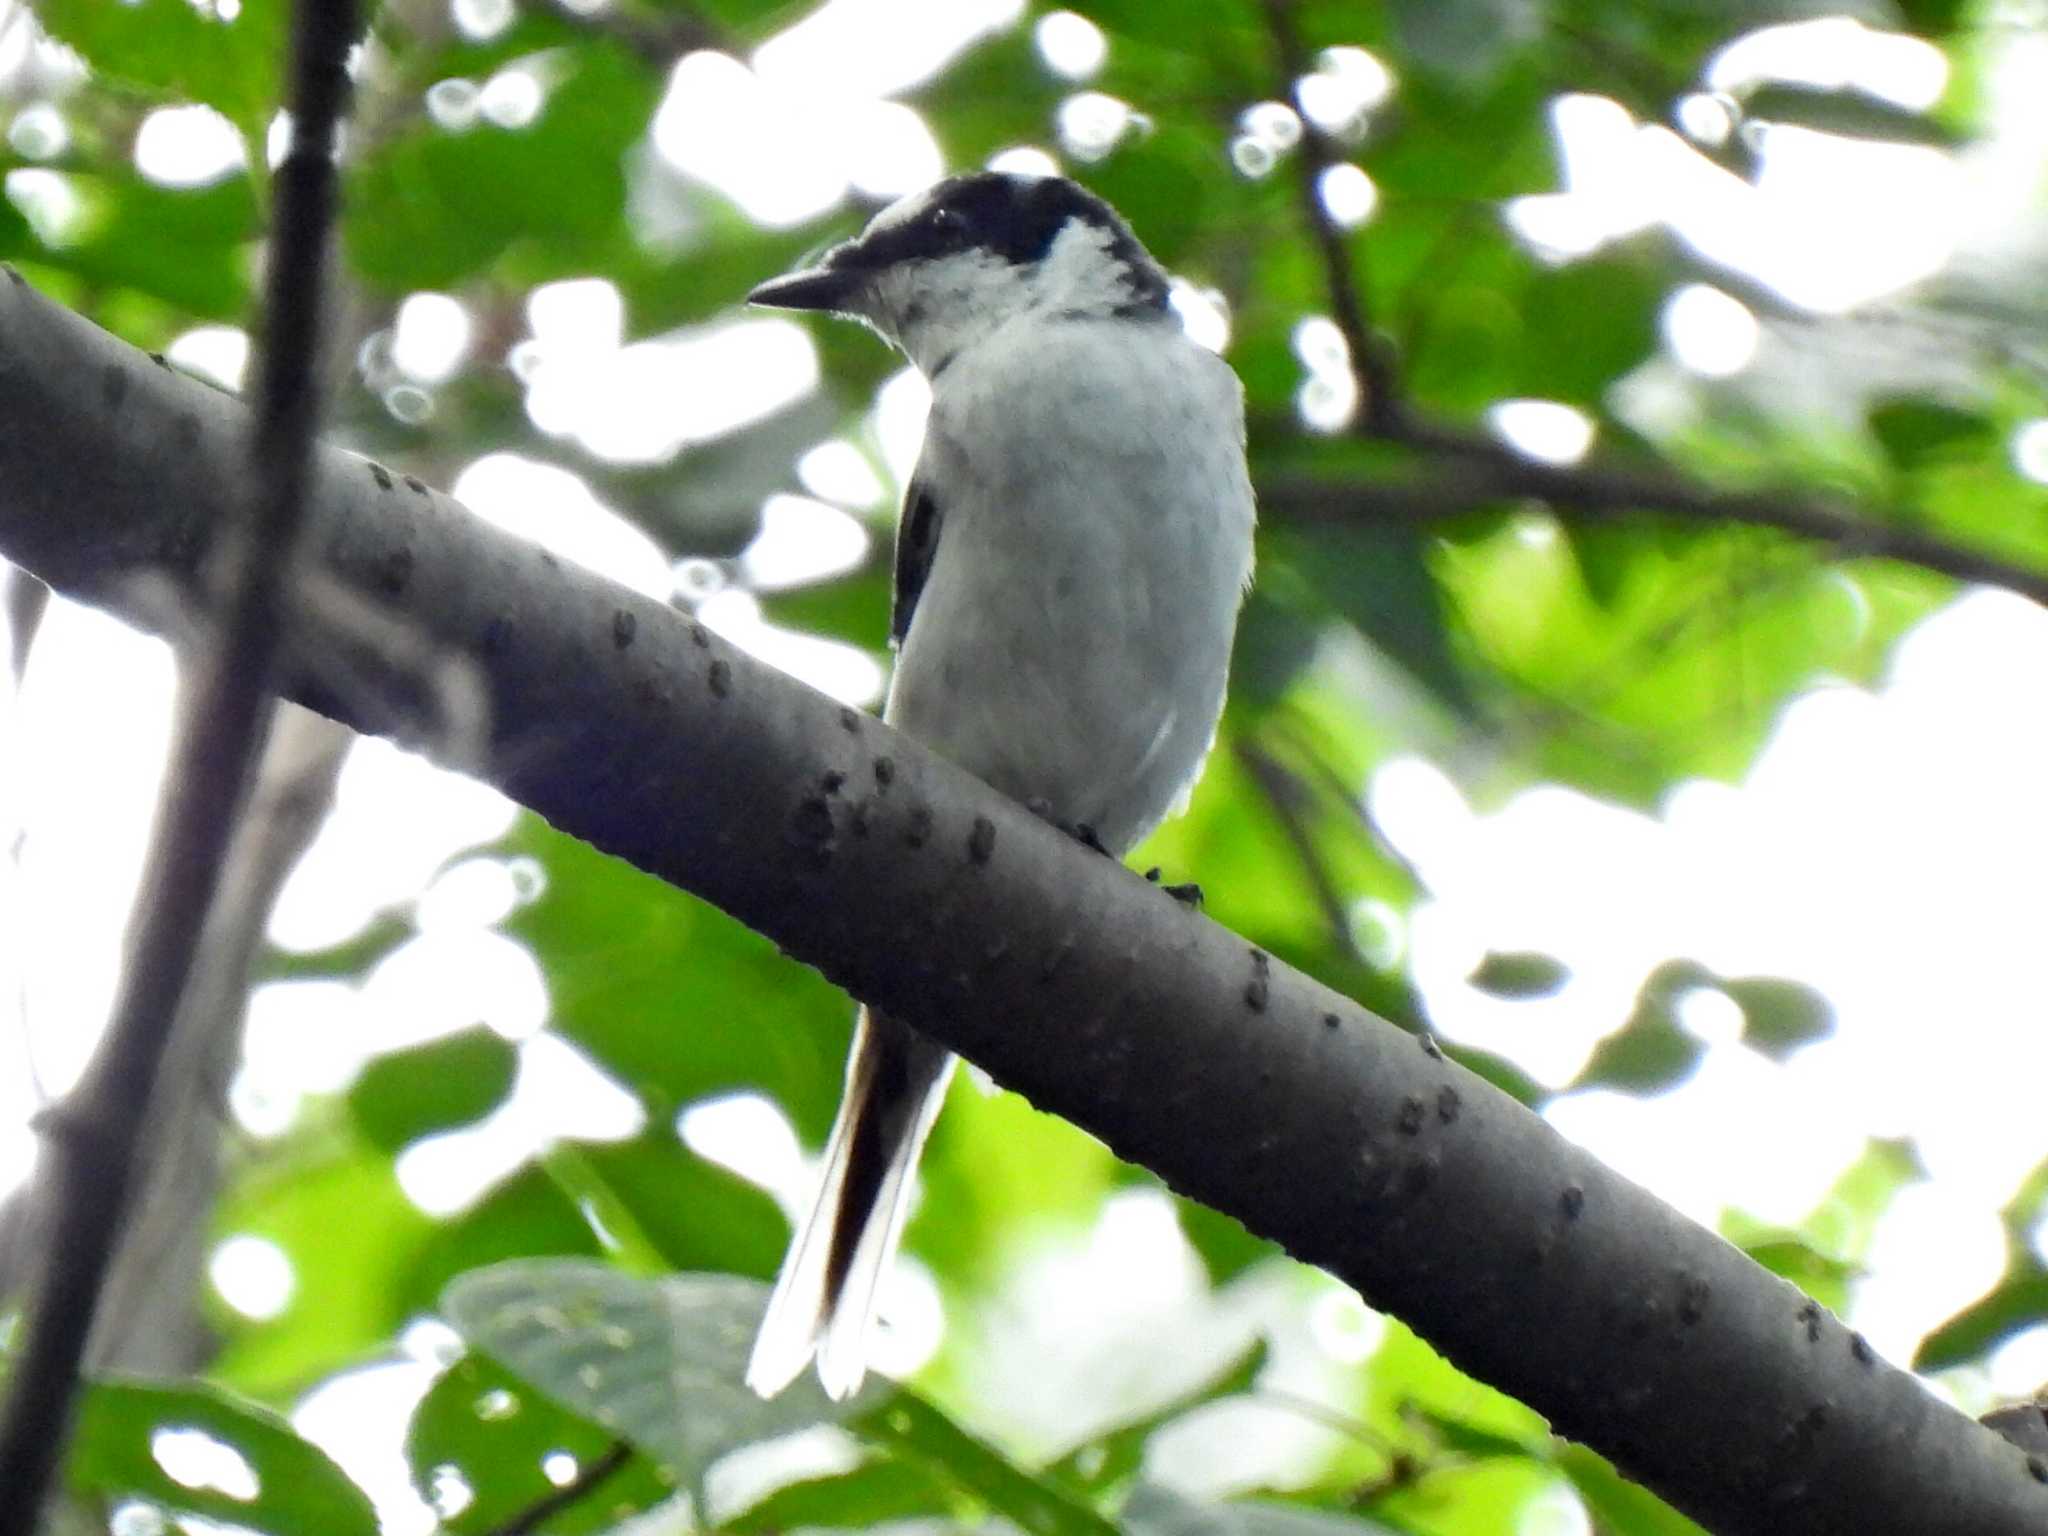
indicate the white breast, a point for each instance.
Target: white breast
{"x":1073,"y":637}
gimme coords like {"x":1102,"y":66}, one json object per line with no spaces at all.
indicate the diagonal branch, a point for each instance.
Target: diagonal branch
{"x":90,"y":1155}
{"x":1468,"y":468}
{"x":1240,"y":1081}
{"x":1485,"y":473}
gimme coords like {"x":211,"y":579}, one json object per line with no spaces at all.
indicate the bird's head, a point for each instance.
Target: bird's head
{"x":948,"y":266}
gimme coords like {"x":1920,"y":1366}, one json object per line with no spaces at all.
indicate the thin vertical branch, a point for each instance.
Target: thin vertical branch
{"x":1379,"y":404}
{"x":89,"y":1154}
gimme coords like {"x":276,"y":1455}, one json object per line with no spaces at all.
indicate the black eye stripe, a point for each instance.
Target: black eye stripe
{"x":1015,"y":218}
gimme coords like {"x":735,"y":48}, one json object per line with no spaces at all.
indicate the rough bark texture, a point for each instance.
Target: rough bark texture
{"x":1240,"y":1081}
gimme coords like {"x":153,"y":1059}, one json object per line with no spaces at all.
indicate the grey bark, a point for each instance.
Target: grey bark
{"x":1241,"y":1082}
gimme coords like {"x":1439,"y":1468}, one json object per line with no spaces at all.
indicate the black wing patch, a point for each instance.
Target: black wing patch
{"x":917,"y":541}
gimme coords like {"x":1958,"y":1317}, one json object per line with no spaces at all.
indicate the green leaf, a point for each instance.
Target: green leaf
{"x":1226,"y":1249}
{"x":186,"y":246}
{"x":1155,"y":1511}
{"x":1467,"y":40}
{"x":434,"y":208}
{"x":654,"y":1362}
{"x":1849,"y":113}
{"x":1651,"y":1051}
{"x":1107,"y":1460}
{"x":695,"y":1213}
{"x":669,"y":994}
{"x":1616,"y":1504}
{"x":2019,"y":1300}
{"x":334,"y":1206}
{"x":1916,"y":433}
{"x":352,"y":957}
{"x":175,"y":50}
{"x":1519,"y":974}
{"x":908,"y":1426}
{"x":299,"y":1491}
{"x":1378,"y":578}
{"x":433,"y":1087}
{"x":872,"y":1493}
{"x":1780,"y":1016}
{"x":528,"y":1214}
{"x":484,"y":1431}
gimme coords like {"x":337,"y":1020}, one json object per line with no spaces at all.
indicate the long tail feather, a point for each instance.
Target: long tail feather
{"x":824,"y":1299}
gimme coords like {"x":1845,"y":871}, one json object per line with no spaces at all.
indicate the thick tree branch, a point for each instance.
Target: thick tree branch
{"x":89,"y":1159}
{"x":1467,"y":468}
{"x":1241,"y":1082}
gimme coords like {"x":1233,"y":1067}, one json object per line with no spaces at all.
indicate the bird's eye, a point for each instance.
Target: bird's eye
{"x":949,"y":222}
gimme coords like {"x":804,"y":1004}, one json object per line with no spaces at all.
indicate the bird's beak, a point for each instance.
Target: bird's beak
{"x":822,"y":287}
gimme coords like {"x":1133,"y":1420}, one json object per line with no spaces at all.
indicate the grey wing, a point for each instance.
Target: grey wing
{"x":917,"y":541}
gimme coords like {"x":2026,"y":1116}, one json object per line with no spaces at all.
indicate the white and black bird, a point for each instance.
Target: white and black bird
{"x":1074,"y":547}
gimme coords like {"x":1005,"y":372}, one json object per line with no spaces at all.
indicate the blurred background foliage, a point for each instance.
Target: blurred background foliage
{"x":1416,"y":596}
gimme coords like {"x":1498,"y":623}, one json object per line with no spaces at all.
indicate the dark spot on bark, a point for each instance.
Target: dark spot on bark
{"x":1447,"y":1104}
{"x":1430,"y":1048}
{"x":113,"y":386}
{"x":1571,"y":1200}
{"x":159,"y":359}
{"x":497,"y":635}
{"x":1419,"y":1174}
{"x":394,"y":571}
{"x":849,"y":718}
{"x":1809,"y":1315}
{"x":418,"y":487}
{"x":981,"y":842}
{"x":381,"y":475}
{"x":1811,"y":1423}
{"x":624,"y":625}
{"x":1859,"y":1346}
{"x":2038,"y":1467}
{"x":699,"y":636}
{"x":548,"y":557}
{"x":860,"y":818}
{"x":1692,"y":1299}
{"x":834,"y":781}
{"x":18,"y":280}
{"x":885,"y":771}
{"x":1331,"y":1021}
{"x":720,"y":678}
{"x":813,"y":832}
{"x":918,"y":831}
{"x":1256,"y":990}
{"x":1409,"y":1121}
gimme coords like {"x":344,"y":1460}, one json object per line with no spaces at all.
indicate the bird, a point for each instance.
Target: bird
{"x":1074,"y":547}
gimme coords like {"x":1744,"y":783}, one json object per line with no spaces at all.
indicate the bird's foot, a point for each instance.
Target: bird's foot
{"x":1079,"y":831}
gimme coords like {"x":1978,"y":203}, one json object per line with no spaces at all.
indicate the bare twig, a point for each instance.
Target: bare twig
{"x":1474,"y":471}
{"x":91,"y":1143}
{"x":1378,"y":400}
{"x":1286,"y":793}
{"x":530,"y":1518}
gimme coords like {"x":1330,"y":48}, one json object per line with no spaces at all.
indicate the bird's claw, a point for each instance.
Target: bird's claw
{"x":1079,"y":831}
